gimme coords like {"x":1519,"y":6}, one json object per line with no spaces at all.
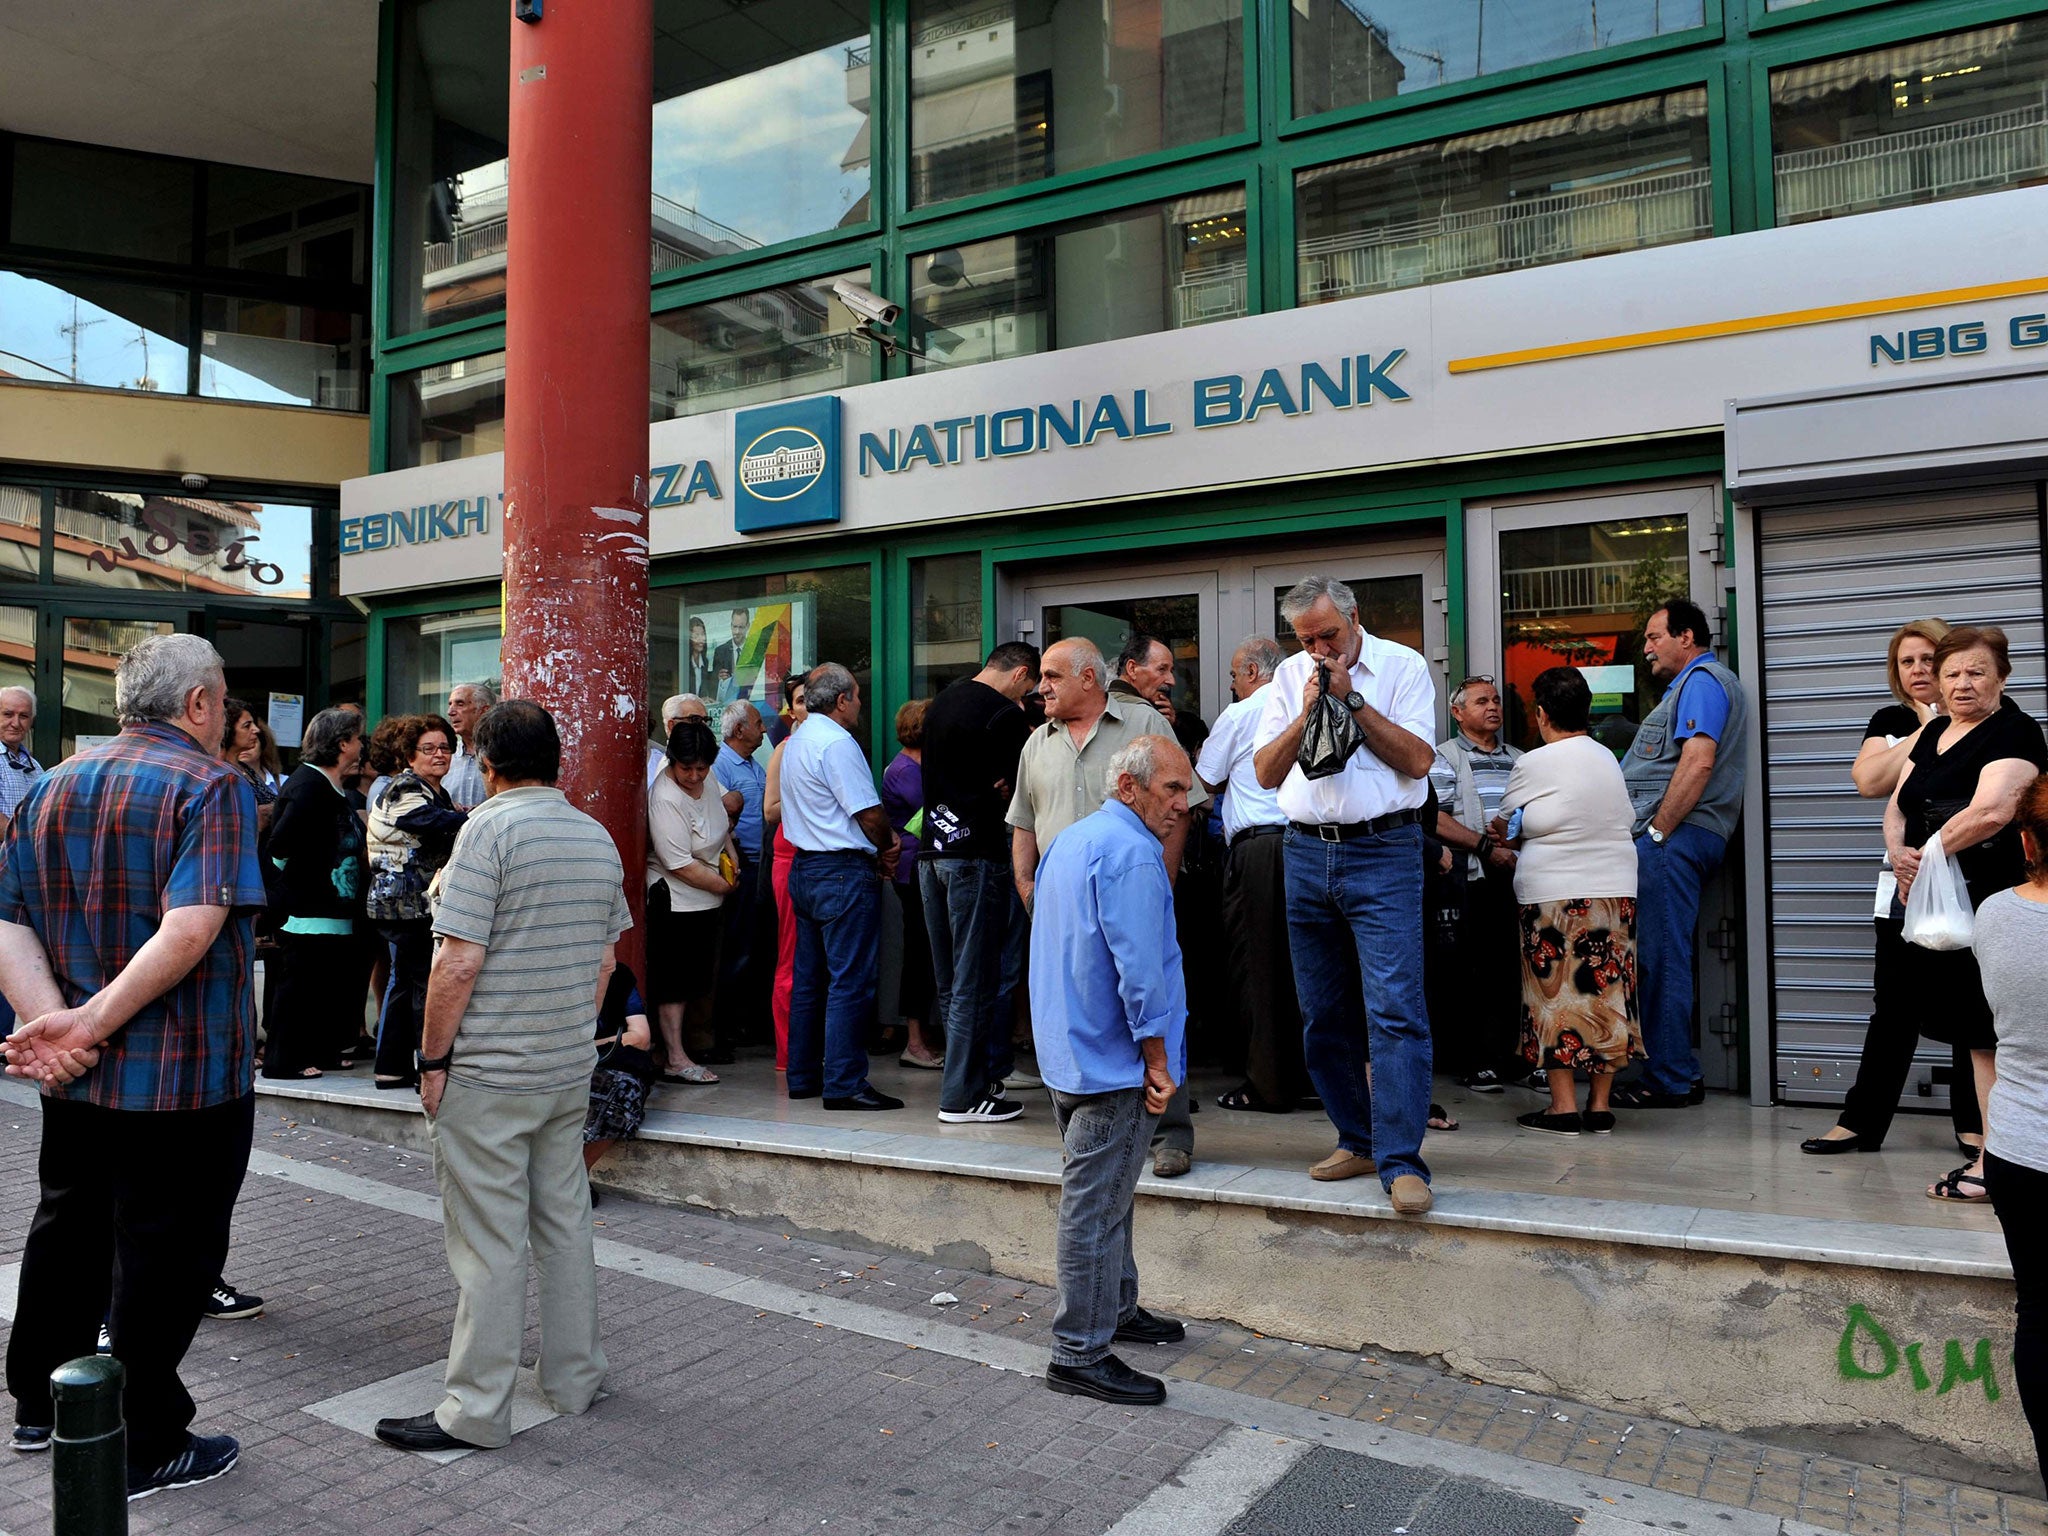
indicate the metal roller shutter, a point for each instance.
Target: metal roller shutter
{"x":1835,"y":581}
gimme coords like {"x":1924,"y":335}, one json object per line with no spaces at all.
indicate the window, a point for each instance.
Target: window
{"x":288,"y":354}
{"x":18,"y":649}
{"x":945,"y":622}
{"x":1611,"y":178}
{"x":93,"y":648}
{"x":1577,"y":595}
{"x":1346,"y":54}
{"x":82,"y":331}
{"x":1938,"y":118}
{"x":761,"y":129}
{"x":766,"y":345}
{"x":291,"y":226}
{"x":449,"y":411}
{"x":1012,"y":92}
{"x":741,"y":638}
{"x":426,"y":656}
{"x":21,"y":533}
{"x":130,"y":541}
{"x":102,"y":202}
{"x":1131,"y":273}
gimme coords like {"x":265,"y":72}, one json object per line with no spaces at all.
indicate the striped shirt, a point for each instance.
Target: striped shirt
{"x":104,"y":845}
{"x":538,"y":884}
{"x":18,"y":774}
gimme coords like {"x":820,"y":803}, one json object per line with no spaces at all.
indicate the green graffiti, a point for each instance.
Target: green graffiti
{"x":1921,"y":1381}
{"x":1954,"y":1370}
{"x":1860,"y":1321}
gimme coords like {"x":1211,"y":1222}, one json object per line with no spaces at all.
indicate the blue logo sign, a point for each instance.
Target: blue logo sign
{"x":786,"y":465}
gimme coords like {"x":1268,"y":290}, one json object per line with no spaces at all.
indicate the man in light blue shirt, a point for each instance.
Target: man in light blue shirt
{"x":845,"y":847}
{"x":1109,"y":1014}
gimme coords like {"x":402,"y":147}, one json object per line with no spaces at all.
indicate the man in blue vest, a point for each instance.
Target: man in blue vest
{"x":1685,"y":774}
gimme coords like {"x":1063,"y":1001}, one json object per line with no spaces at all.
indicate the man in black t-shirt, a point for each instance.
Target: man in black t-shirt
{"x":973,"y":733}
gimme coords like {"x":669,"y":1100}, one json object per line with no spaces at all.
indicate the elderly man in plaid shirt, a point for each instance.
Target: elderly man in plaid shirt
{"x":127,"y":884}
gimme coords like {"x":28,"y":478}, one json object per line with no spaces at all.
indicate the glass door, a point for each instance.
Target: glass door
{"x":1179,"y":607}
{"x":91,"y":648}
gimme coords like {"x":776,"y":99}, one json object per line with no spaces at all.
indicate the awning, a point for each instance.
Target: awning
{"x":1909,"y":61}
{"x":984,"y":111}
{"x":1674,"y":106}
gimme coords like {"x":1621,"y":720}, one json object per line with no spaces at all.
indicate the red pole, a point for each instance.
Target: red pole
{"x":576,"y":357}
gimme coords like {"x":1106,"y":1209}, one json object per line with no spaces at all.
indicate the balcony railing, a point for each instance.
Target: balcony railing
{"x":1599,"y":586}
{"x":1978,"y":154}
{"x":857,"y":57}
{"x":487,"y":238}
{"x":983,"y":20}
{"x":1649,"y":210}
{"x":1215,"y":293}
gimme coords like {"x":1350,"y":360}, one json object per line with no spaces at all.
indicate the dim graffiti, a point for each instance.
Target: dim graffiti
{"x":1868,"y":1353}
{"x":165,"y":536}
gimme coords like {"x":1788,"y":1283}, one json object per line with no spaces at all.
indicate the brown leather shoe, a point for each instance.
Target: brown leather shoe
{"x":1410,"y":1195}
{"x":1342,"y":1164}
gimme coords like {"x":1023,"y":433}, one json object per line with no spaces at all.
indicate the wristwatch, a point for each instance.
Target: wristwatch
{"x":1655,"y":836}
{"x":1354,"y":701}
{"x":436,"y":1063}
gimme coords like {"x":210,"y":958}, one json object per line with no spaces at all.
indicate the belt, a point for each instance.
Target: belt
{"x":1244,"y":832}
{"x":1345,"y":831}
{"x":836,"y":853}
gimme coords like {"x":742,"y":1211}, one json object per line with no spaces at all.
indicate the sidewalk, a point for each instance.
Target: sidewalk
{"x":764,"y":1383}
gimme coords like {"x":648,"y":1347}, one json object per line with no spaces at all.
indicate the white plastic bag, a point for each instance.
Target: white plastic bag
{"x":1938,"y":914}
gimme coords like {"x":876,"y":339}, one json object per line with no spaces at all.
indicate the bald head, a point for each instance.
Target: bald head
{"x":1074,"y":680}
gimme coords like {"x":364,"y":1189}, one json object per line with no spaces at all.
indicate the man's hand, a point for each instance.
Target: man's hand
{"x":1499,"y":857}
{"x":1159,"y":1087}
{"x":1312,"y":689}
{"x":1444,"y":864}
{"x":55,"y":1049}
{"x":432,"y":1086}
{"x":887,"y":859}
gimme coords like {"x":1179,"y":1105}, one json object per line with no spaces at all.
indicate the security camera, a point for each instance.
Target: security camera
{"x":193,"y":482}
{"x":869,"y":306}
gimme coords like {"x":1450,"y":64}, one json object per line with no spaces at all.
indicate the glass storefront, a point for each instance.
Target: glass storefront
{"x":90,"y":201}
{"x":768,"y":345}
{"x":449,"y":411}
{"x":18,"y":648}
{"x":93,"y":648}
{"x":1009,"y":93}
{"x":137,"y":542}
{"x":84,"y":331}
{"x":1130,"y":273}
{"x":21,"y":533}
{"x":945,"y":622}
{"x":1919,"y":122}
{"x":1346,"y":55}
{"x":425,"y":656}
{"x":1610,"y":178}
{"x":1172,"y":617}
{"x":283,"y":354}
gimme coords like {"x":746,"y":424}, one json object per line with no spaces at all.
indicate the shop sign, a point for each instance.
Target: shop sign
{"x":787,"y":459}
{"x":459,"y":518}
{"x":1966,"y":338}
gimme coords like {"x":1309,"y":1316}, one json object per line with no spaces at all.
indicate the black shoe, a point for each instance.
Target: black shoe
{"x":421,"y":1432}
{"x":806,"y":1093}
{"x":1109,"y":1379}
{"x":228,"y":1304}
{"x":1821,"y":1146}
{"x":1143,"y":1327}
{"x":1543,"y":1120}
{"x":1536,"y":1082}
{"x":1699,"y":1092}
{"x":1636,"y":1096}
{"x":204,"y":1458}
{"x":1484,"y":1081}
{"x":31,"y":1437}
{"x":1599,"y":1121}
{"x":397,"y":1084}
{"x":991,"y":1110}
{"x":867,"y":1098}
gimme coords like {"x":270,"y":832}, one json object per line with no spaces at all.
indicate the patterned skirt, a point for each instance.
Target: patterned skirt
{"x":618,"y":1103}
{"x":1579,"y":984}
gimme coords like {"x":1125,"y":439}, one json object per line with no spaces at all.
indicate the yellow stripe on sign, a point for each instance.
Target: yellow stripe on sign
{"x":1783,"y":320}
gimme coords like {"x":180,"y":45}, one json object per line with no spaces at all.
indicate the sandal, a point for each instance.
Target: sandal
{"x":922,"y":1063}
{"x":1951,"y":1187}
{"x":1246,"y":1097}
{"x":1440,"y":1119}
{"x":701,"y":1077}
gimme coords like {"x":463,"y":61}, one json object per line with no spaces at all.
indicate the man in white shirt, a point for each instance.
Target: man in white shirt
{"x":845,"y":847}
{"x":1353,"y":851}
{"x":467,"y":703}
{"x":1255,"y":890}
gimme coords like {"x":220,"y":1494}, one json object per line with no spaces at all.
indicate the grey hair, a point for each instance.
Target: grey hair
{"x":157,"y":676}
{"x":25,"y":693}
{"x":1139,"y":758}
{"x":1087,"y":657}
{"x":1305,"y":593}
{"x":1458,"y":693}
{"x":732,"y":717}
{"x":673,"y":705}
{"x":490,"y":694}
{"x":828,"y":683}
{"x":1263,"y":653}
{"x":327,"y":733}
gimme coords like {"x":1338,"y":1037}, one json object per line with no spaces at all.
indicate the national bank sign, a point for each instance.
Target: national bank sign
{"x":786,"y":465}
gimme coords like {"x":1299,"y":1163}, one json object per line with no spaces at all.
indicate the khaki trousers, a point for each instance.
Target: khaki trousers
{"x":510,"y":1167}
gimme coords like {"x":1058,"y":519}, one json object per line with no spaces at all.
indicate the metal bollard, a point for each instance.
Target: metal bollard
{"x":89,"y":1452}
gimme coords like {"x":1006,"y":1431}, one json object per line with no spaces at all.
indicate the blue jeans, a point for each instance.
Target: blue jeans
{"x":1669,"y":879}
{"x":1354,"y":925}
{"x":1107,"y":1136}
{"x":837,"y":897}
{"x":969,"y":905}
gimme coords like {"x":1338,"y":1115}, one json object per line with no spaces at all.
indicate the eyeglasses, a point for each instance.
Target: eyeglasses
{"x":426,"y":751}
{"x":1479,"y":677}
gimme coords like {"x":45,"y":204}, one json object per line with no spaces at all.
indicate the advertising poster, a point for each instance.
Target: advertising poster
{"x":745,"y":650}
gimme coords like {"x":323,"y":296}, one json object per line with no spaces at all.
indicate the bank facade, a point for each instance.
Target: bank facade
{"x":1515,"y":324}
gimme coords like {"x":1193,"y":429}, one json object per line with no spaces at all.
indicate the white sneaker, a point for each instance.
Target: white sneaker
{"x":1021,"y":1079}
{"x":988,"y":1110}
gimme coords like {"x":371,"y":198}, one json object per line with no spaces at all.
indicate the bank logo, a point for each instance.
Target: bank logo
{"x":788,"y":465}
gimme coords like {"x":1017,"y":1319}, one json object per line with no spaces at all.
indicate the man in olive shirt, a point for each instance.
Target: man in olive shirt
{"x":1061,"y":778}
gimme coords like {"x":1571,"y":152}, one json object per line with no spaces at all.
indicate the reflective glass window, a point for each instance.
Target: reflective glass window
{"x":21,"y":532}
{"x":1131,"y":273}
{"x":425,"y":656}
{"x":1012,"y":92}
{"x":18,"y":650}
{"x":93,"y":648}
{"x":102,"y":202}
{"x":1347,"y":54}
{"x":1609,"y":178}
{"x":945,"y":622}
{"x":449,"y":411}
{"x":147,"y":543}
{"x":761,"y":127}
{"x":286,"y":354}
{"x":82,"y":331}
{"x":294,"y":226}
{"x":766,"y":345}
{"x":1937,"y":118}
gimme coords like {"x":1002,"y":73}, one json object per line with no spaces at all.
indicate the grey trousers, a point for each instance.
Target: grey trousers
{"x":1106,"y":1137}
{"x":510,"y":1167}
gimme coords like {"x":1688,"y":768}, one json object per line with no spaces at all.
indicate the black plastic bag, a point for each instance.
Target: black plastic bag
{"x":1330,"y":736}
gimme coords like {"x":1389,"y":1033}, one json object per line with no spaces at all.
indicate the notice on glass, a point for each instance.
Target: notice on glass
{"x":1612,"y":687}
{"x":288,"y":718}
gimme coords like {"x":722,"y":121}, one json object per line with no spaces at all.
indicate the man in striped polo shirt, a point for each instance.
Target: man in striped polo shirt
{"x":532,"y":901}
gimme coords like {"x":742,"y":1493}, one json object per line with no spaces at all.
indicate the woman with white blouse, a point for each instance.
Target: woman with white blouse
{"x":691,"y":869}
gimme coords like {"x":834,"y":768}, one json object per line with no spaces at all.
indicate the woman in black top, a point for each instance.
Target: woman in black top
{"x":316,"y":849}
{"x":1963,"y":779}
{"x":1896,"y":1009}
